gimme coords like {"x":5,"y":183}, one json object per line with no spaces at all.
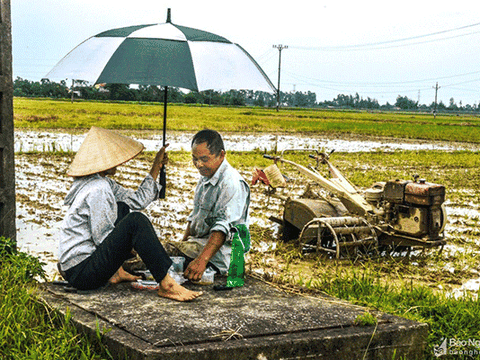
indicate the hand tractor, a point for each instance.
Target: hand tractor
{"x":342,"y":221}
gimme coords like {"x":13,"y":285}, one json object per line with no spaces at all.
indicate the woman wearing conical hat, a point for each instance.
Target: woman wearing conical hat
{"x":99,"y":232}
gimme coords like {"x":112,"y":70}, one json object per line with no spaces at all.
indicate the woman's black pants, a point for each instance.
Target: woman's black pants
{"x":132,"y":230}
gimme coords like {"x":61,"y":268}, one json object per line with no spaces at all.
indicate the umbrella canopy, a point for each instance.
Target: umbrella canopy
{"x":163,"y":54}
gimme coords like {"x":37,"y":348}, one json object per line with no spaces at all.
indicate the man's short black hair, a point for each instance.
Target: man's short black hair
{"x":212,"y":138}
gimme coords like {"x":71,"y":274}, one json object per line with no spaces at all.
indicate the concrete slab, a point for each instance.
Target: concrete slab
{"x":253,"y":322}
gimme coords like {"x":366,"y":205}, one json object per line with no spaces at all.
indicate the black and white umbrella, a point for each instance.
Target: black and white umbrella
{"x":163,"y":54}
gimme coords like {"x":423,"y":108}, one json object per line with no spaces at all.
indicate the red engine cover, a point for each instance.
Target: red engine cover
{"x":423,"y":193}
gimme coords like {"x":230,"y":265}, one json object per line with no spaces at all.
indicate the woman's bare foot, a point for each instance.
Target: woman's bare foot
{"x":170,"y":289}
{"x":121,"y":275}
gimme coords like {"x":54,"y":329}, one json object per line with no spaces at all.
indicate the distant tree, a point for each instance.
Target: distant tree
{"x":452,"y":105}
{"x":21,"y":87}
{"x":259,"y":99}
{"x":354,"y":102}
{"x":234,"y":97}
{"x":344,"y":101}
{"x":210,"y":97}
{"x":150,"y":93}
{"x":192,"y":97}
{"x":121,"y":92}
{"x":301,"y":99}
{"x":405,"y":103}
{"x":53,"y":90}
{"x":174,"y":95}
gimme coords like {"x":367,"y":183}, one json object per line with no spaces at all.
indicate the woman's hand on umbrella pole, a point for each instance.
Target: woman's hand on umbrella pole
{"x":161,"y":159}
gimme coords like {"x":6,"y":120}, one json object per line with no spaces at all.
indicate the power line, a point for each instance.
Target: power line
{"x":475,"y":90}
{"x":463,"y":82}
{"x":374,"y":46}
{"x":383,"y":84}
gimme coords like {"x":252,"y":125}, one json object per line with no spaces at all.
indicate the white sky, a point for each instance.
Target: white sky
{"x":326,"y":39}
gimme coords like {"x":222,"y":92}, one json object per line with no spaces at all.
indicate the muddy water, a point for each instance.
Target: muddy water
{"x":47,"y":141}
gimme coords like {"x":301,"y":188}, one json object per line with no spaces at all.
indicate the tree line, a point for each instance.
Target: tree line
{"x":122,"y":92}
{"x":47,"y":88}
{"x":402,"y":103}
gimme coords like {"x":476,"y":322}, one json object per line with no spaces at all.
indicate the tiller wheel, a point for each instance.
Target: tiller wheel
{"x":339,"y":236}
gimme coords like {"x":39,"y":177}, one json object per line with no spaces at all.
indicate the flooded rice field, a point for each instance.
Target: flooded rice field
{"x":58,"y":141}
{"x":41,"y":187}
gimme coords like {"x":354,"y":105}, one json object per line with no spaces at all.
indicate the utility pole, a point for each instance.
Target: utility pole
{"x":73,"y":87}
{"x":294,"y":96}
{"x":280,"y":47}
{"x":436,"y":87}
{"x":7,"y":154}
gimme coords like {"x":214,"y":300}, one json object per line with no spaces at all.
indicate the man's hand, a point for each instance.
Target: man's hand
{"x":195,"y":269}
{"x":186,"y":234}
{"x":160,"y":159}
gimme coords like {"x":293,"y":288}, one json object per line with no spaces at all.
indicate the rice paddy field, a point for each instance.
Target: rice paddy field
{"x":56,"y":114}
{"x":438,"y":286}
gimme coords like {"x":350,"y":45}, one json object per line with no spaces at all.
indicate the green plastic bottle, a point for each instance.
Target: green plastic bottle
{"x":240,"y":246}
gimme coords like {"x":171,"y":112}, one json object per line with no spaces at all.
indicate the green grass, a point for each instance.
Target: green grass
{"x":448,"y":318}
{"x":55,"y":114}
{"x":29,"y":329}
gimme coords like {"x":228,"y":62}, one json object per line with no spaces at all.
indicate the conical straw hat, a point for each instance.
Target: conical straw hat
{"x":102,"y":150}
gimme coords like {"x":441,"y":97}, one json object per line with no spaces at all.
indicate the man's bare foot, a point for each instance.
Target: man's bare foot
{"x":121,"y":275}
{"x":170,"y":289}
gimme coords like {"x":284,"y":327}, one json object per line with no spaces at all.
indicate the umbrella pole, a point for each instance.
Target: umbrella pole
{"x":163,"y":174}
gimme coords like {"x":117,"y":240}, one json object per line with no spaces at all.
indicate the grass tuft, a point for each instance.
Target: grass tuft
{"x":29,"y":329}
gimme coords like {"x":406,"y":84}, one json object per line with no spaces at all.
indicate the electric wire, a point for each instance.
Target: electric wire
{"x":374,"y":46}
{"x":377,"y":84}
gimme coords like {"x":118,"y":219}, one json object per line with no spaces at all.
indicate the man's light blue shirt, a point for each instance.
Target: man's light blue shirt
{"x":220,"y":203}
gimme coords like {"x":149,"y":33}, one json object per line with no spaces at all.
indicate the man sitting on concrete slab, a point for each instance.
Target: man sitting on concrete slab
{"x":221,"y":201}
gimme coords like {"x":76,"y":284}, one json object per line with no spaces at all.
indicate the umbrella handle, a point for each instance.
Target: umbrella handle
{"x":163,"y":173}
{"x":163,"y":182}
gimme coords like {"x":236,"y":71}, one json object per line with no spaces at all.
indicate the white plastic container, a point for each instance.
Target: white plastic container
{"x":177,"y":265}
{"x":208,"y":277}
